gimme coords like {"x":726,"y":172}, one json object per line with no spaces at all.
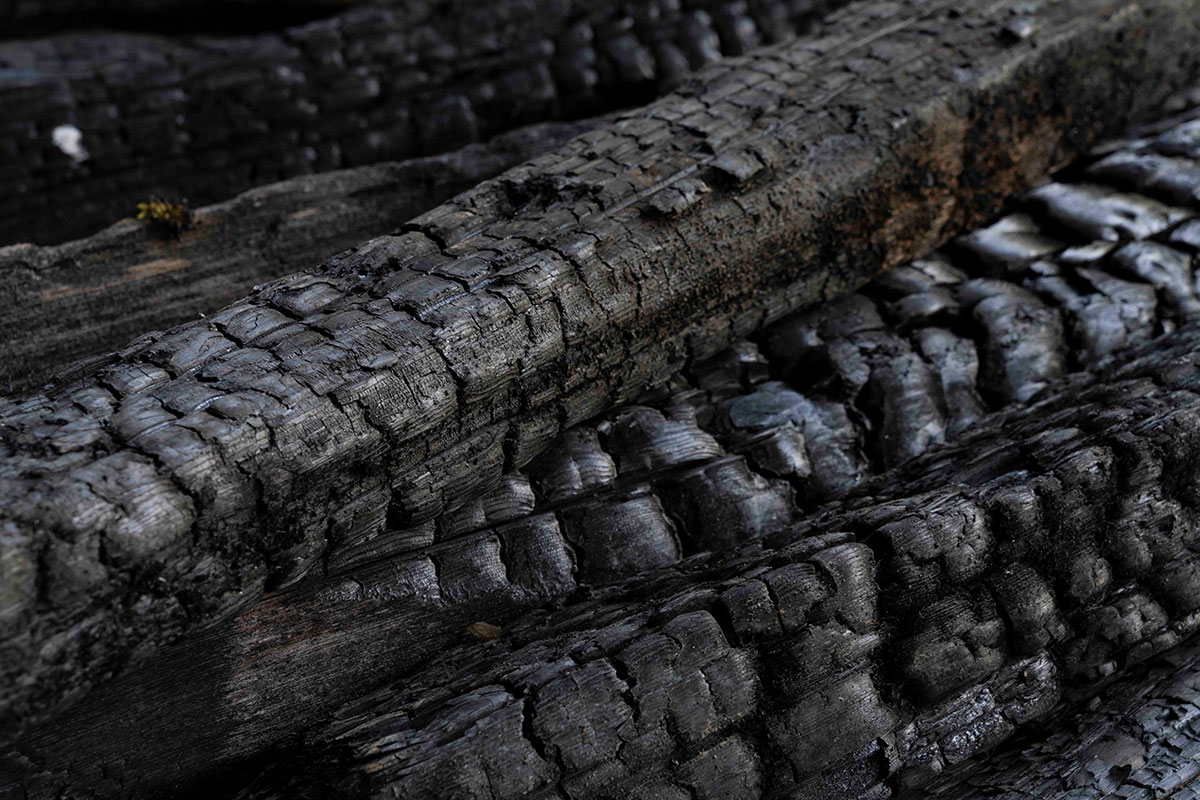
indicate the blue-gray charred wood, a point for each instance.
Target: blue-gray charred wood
{"x":858,"y":654}
{"x":738,"y":447}
{"x":92,"y":296}
{"x":1137,"y":738}
{"x":170,"y":487}
{"x":98,"y":122}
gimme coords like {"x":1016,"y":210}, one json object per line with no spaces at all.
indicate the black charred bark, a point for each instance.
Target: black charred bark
{"x":868,"y":649}
{"x":737,"y":448}
{"x":168,"y":488}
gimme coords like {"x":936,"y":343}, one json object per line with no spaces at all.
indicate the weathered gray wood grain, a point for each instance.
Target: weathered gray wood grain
{"x":89,"y":297}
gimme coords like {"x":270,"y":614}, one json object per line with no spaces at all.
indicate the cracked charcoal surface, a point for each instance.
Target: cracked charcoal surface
{"x":165,"y":489}
{"x":821,"y":400}
{"x":879,"y":643}
{"x":101,"y":121}
{"x":741,"y":445}
{"x":1136,"y":739}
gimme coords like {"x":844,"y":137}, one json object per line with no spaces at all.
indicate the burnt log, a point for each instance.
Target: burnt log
{"x":868,"y":649}
{"x":91,"y":296}
{"x":167,"y":488}
{"x":99,"y":122}
{"x":725,"y":454}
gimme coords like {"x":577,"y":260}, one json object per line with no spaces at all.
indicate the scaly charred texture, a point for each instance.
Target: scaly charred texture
{"x":733,"y":450}
{"x":1137,"y":739}
{"x":100,"y":122}
{"x":85,"y":298}
{"x":869,"y":382}
{"x":869,"y":649}
{"x":167,"y":488}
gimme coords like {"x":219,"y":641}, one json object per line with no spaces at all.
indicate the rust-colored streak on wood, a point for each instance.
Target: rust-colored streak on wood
{"x":133,"y":274}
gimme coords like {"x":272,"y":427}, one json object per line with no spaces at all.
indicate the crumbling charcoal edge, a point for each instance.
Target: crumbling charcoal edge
{"x":1137,"y":736}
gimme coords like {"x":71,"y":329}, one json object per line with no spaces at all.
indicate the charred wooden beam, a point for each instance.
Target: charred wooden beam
{"x":89,"y":297}
{"x":725,"y":454}
{"x":165,"y":490}
{"x":100,"y":122}
{"x":869,"y":648}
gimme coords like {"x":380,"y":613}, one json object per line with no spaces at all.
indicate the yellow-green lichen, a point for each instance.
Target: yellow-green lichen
{"x":165,"y":217}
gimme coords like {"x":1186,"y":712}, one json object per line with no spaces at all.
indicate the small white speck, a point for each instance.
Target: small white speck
{"x":69,"y":139}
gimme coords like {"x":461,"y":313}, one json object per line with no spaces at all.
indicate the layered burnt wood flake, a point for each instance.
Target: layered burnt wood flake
{"x":1137,"y":739}
{"x":736,"y":448}
{"x":166,"y":489}
{"x":88,"y":297}
{"x":859,"y":654}
{"x":98,"y":122}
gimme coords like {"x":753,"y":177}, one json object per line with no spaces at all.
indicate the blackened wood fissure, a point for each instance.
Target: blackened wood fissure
{"x":739,"y":446}
{"x":167,"y":489}
{"x":858,"y":654}
{"x":97,"y":122}
{"x":89,"y":297}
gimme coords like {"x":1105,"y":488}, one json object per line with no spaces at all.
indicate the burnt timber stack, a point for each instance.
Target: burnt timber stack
{"x":91,"y":296}
{"x":462,"y":77}
{"x":105,"y":120}
{"x":872,"y":646}
{"x":726,"y":456}
{"x":579,"y":282}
